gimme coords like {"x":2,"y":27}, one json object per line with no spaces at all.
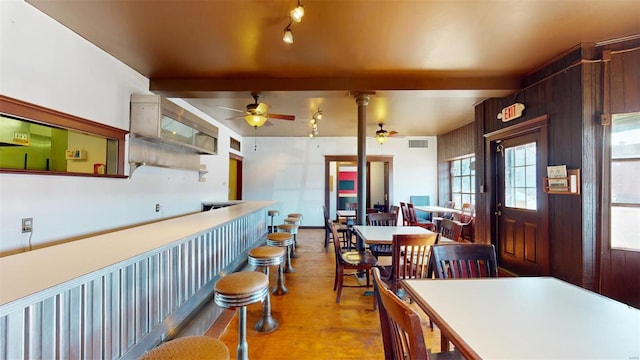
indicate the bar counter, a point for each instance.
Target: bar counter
{"x":117,"y":294}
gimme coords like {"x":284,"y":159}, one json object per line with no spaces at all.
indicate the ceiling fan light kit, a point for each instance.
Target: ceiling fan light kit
{"x":255,"y":120}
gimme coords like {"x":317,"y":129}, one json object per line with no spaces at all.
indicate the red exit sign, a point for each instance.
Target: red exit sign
{"x":511,"y":112}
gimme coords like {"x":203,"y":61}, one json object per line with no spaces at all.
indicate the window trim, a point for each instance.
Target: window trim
{"x":45,"y":116}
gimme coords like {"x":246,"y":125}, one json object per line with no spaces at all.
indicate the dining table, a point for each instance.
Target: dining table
{"x":383,"y":235}
{"x":528,"y":317}
{"x":437,"y":209}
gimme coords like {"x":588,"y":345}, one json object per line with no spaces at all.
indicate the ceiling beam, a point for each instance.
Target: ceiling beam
{"x":206,"y":87}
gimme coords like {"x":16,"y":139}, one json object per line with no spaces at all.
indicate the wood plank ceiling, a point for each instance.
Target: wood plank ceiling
{"x":428,"y":61}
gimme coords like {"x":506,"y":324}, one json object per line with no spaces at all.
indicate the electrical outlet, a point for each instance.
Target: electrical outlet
{"x":27,"y":225}
{"x":157,"y":207}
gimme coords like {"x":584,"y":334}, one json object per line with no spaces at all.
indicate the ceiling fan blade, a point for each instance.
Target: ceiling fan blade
{"x":228,"y":108}
{"x":392,"y":133}
{"x":268,"y":123}
{"x":262,"y":108}
{"x":235,"y":117}
{"x":282,"y":117}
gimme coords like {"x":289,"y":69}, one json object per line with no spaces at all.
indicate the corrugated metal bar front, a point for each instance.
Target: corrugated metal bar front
{"x":127,"y":310}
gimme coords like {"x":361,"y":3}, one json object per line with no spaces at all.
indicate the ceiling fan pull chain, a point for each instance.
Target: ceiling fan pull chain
{"x":255,"y":138}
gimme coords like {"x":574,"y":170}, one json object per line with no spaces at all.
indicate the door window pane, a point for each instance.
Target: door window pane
{"x":520,"y":176}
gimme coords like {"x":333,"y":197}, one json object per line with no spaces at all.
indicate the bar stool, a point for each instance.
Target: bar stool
{"x":282,"y":239}
{"x":265,"y":256}
{"x":189,"y":347}
{"x":272,"y":214}
{"x":236,"y":291}
{"x":293,"y":230}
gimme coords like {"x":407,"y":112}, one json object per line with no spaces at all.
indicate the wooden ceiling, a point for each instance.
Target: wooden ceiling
{"x":427,"y":61}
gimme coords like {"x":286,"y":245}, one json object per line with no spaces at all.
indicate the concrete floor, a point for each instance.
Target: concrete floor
{"x":312,"y":325}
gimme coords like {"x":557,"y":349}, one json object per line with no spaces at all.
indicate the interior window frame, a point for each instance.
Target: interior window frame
{"x":48,"y":117}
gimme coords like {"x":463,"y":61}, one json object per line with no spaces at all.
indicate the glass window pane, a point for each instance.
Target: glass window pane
{"x":521,"y":198}
{"x":456,"y":185}
{"x":532,"y":202}
{"x":625,"y":136}
{"x":466,"y":184}
{"x":509,"y":197}
{"x":531,"y":154}
{"x":455,"y":168}
{"x":457,"y":200}
{"x":464,"y":166}
{"x":520,"y":156}
{"x":530,"y":176}
{"x":520,"y":177}
{"x":624,"y":182}
{"x":624,"y":227}
{"x":509,"y":160}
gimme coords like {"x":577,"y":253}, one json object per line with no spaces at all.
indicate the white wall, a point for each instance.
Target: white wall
{"x":291,"y":170}
{"x":44,"y":63}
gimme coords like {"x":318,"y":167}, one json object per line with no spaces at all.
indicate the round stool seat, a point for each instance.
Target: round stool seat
{"x":295,"y":215}
{"x":273,"y":212}
{"x":290,"y":228}
{"x":266,"y":256}
{"x":187,"y":348}
{"x":293,"y":220}
{"x":241,"y":289}
{"x":280,"y":239}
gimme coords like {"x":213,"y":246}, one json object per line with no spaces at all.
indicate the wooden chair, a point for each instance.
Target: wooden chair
{"x":381,"y":219}
{"x":437,"y":219}
{"x":361,"y":261}
{"x":466,"y":218}
{"x":401,"y":329}
{"x":413,"y":219}
{"x":342,"y":230}
{"x":410,"y":257}
{"x":395,"y":209}
{"x":450,"y":229}
{"x":464,"y":261}
{"x":405,"y":214}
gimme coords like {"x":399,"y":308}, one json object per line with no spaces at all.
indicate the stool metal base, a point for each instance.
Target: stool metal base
{"x":280,"y":288}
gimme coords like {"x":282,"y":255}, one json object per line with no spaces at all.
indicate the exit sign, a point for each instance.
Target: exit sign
{"x":511,"y":112}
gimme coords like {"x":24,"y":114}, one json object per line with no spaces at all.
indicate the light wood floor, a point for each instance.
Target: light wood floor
{"x":312,"y":325}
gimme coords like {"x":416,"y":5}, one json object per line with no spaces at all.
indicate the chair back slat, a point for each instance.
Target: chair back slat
{"x":464,"y":260}
{"x":450,"y":229}
{"x":410,"y":256}
{"x":382,"y":219}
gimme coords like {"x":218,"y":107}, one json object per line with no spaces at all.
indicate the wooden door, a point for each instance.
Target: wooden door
{"x":523,"y":243}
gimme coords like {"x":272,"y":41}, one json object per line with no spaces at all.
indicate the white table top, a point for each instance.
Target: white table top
{"x":528,"y":317}
{"x":384,"y":234}
{"x":436,"y":209}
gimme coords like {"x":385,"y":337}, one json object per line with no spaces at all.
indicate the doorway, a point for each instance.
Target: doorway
{"x":520,"y":226}
{"x":235,"y":177}
{"x":340,"y":181}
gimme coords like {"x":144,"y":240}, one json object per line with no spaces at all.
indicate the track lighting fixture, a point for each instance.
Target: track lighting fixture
{"x":288,"y":34}
{"x":297,"y":13}
{"x":317,"y":115}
